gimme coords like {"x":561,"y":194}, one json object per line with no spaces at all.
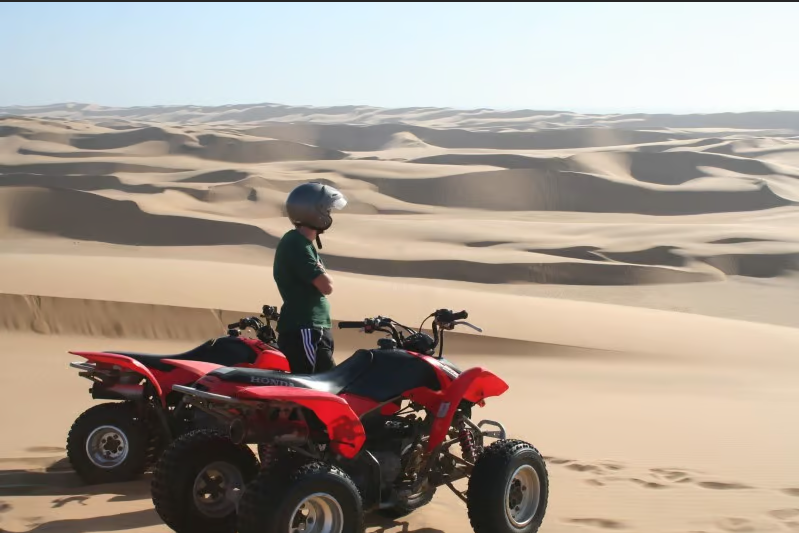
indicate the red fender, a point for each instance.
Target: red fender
{"x":346,"y":432}
{"x":198,"y":368}
{"x":473,"y":385}
{"x":124,"y":362}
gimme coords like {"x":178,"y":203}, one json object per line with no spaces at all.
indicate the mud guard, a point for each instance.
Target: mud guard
{"x":473,"y":385}
{"x":197,"y":368}
{"x":347,"y":435}
{"x":127,"y":363}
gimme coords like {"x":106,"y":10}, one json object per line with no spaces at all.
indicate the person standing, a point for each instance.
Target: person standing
{"x":305,"y":326}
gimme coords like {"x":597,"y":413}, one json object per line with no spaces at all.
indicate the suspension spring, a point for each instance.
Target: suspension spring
{"x":468,"y":445}
{"x":266,"y":452}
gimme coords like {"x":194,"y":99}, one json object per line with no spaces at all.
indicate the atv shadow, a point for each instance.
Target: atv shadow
{"x":58,"y":479}
{"x":376,"y":523}
{"x":115,"y":522}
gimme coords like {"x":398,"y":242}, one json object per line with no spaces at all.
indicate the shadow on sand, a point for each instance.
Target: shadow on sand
{"x":379,"y":524}
{"x":58,"y":480}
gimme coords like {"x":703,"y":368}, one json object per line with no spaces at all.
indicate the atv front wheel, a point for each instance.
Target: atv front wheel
{"x":508,"y":489}
{"x":198,"y":481}
{"x":314,"y":498}
{"x":108,"y":443}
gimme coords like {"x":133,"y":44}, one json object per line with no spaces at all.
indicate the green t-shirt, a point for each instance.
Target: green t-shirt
{"x":297,"y":264}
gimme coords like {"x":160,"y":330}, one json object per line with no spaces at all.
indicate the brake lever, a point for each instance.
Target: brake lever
{"x":464,"y":323}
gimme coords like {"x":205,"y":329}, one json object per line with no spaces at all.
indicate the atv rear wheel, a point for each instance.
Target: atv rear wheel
{"x":198,"y":481}
{"x":108,"y":443}
{"x":314,"y":498}
{"x":508,"y":489}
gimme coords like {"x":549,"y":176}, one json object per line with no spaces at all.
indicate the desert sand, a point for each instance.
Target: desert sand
{"x":635,"y":277}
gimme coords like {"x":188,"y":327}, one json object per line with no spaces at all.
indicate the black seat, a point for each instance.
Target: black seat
{"x":379,"y":375}
{"x":333,"y":381}
{"x":225,"y":351}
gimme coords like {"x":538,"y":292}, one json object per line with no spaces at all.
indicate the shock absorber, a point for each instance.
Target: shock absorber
{"x":266,"y":452}
{"x":468,"y":445}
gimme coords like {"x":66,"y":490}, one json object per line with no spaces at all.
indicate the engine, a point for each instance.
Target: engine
{"x":390,"y":441}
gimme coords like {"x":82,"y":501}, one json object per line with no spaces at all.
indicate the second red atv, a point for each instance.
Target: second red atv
{"x":379,"y":432}
{"x":117,"y":441}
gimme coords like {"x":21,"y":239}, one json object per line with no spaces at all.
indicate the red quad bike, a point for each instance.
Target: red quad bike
{"x":379,"y":432}
{"x":113,"y":442}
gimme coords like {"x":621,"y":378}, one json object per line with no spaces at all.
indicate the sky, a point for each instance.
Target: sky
{"x":581,"y":57}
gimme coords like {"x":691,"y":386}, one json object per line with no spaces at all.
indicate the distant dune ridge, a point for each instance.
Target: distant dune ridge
{"x":649,"y":198}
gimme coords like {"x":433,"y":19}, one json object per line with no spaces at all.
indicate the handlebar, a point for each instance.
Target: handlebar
{"x":269,"y":312}
{"x":352,"y":325}
{"x":447,"y":316}
{"x":463,"y":322}
{"x":443,"y":320}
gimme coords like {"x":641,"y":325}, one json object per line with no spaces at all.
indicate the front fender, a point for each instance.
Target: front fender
{"x":347,"y":435}
{"x":473,"y":385}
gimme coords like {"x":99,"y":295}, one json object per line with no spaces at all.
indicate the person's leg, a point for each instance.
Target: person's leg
{"x":324,"y":350}
{"x":292,"y":345}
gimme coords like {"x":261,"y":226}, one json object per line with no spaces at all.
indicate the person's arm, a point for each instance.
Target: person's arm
{"x":312,"y":271}
{"x":324,"y":283}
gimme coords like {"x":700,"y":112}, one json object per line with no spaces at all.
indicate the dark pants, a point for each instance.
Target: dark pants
{"x":309,"y":350}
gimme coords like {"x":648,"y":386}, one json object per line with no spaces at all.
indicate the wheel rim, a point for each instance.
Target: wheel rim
{"x":522,"y":496}
{"x":107,"y":447}
{"x":318,"y":513}
{"x":217,"y":489}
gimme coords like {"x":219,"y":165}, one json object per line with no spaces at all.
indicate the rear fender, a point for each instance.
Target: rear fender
{"x":347,"y":435}
{"x":126,"y":363}
{"x":473,"y":385}
{"x":197,"y":368}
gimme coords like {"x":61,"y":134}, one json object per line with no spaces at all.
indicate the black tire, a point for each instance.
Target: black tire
{"x":492,"y":474}
{"x":269,"y":502}
{"x":173,"y":484}
{"x":124,"y":428}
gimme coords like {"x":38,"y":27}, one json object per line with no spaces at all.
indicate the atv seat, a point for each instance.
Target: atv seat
{"x":333,"y":381}
{"x":379,"y":374}
{"x":225,"y":351}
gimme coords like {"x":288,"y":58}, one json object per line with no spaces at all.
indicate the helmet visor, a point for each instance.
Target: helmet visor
{"x":339,"y":203}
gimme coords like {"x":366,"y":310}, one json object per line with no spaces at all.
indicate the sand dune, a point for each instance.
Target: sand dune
{"x":180,"y":185}
{"x":85,"y":216}
{"x":560,"y":190}
{"x":636,"y":277}
{"x":775,"y":121}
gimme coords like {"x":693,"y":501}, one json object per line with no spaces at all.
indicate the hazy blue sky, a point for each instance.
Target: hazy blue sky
{"x":613,"y":57}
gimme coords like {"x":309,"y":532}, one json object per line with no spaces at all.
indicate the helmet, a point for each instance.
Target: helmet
{"x":309,"y":205}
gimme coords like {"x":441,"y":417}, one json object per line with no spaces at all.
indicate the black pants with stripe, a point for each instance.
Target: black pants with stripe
{"x":309,"y":350}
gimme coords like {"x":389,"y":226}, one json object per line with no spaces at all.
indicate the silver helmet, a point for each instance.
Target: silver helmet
{"x":310,"y":204}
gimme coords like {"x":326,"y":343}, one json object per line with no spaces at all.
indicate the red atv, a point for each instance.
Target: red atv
{"x":379,"y":432}
{"x":117,"y":441}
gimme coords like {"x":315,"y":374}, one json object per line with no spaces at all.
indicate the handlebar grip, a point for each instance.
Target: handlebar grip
{"x":234,"y":325}
{"x":463,"y":315}
{"x":351,"y":325}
